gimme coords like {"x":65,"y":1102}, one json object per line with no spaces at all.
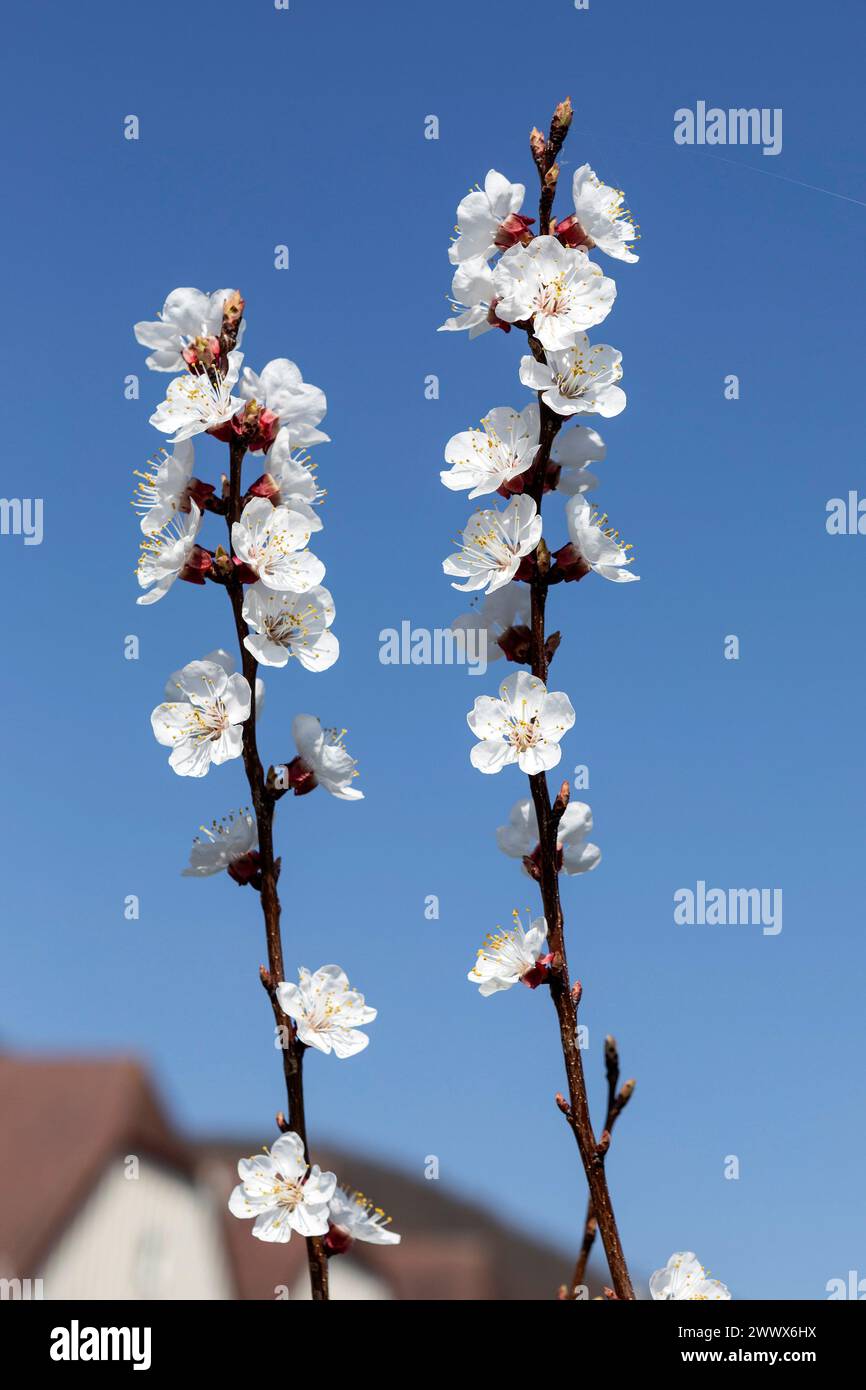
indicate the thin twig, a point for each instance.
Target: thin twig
{"x":616,"y":1103}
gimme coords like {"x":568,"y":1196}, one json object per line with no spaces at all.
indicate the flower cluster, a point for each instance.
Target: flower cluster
{"x":286,"y":610}
{"x":548,"y":286}
{"x":280,"y":1192}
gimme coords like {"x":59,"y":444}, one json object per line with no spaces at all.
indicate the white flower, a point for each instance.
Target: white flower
{"x":281,"y":388}
{"x":493,"y":545}
{"x":509,"y":956}
{"x":186,"y":314}
{"x":272,"y":542}
{"x":326,"y":1011}
{"x":601,"y":549}
{"x":502,"y":449}
{"x":358,"y":1219}
{"x":601,"y":215}
{"x":204,"y":726}
{"x":164,"y":488}
{"x":683,"y":1278}
{"x":198,"y":401}
{"x":471,"y":296}
{"x":572,"y":450}
{"x":500,"y":614}
{"x":579,"y":378}
{"x":480,"y":218}
{"x":562,"y":291}
{"x":523,"y":725}
{"x":282,"y":1192}
{"x":225,"y":842}
{"x":219,"y":657}
{"x":166,"y":553}
{"x":324,"y":754}
{"x":295,"y":478}
{"x":519,"y":838}
{"x":286,"y":624}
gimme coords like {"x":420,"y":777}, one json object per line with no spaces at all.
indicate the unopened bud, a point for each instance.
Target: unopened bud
{"x":562,"y":797}
{"x":282,"y":1123}
{"x":551,"y":645}
{"x":562,"y":1104}
{"x":542,"y":556}
{"x":550,"y":178}
{"x":265,"y":977}
{"x":563,"y":114}
{"x":577,"y":992}
{"x":338,"y":1240}
{"x":538,"y":145}
{"x":233,"y":308}
{"x":626,"y":1091}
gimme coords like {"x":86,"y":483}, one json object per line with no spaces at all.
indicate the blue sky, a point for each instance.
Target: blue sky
{"x":306,"y":128}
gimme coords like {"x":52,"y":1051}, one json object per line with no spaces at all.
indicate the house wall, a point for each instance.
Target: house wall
{"x":145,"y":1232}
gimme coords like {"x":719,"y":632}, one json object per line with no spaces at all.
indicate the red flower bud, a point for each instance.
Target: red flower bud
{"x":493,"y":320}
{"x":538,"y":974}
{"x":569,"y":231}
{"x":570,"y":563}
{"x":338,"y":1240}
{"x":246,"y":869}
{"x":197,"y":492}
{"x":512,"y":230}
{"x":302,"y":778}
{"x":516,"y":643}
{"x":243,"y":571}
{"x":199,"y":564}
{"x":265,"y":486}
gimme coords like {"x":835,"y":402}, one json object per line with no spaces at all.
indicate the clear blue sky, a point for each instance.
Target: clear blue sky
{"x":306,"y":128}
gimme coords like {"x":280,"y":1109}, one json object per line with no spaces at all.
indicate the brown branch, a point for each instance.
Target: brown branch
{"x":263,"y":805}
{"x":576,"y":1108}
{"x":616,"y":1103}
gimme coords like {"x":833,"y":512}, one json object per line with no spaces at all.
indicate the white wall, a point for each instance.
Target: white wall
{"x":144,"y":1232}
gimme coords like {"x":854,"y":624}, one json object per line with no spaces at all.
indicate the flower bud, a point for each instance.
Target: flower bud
{"x":338,"y":1240}
{"x":198,"y":565}
{"x":302,"y":778}
{"x":570,"y":563}
{"x":569,"y":231}
{"x":247,"y":868}
{"x":516,"y":644}
{"x":539,"y":972}
{"x":265,"y":486}
{"x":562,"y":117}
{"x":512,"y":230}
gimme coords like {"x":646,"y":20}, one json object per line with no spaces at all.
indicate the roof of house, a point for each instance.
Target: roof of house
{"x":64,"y":1118}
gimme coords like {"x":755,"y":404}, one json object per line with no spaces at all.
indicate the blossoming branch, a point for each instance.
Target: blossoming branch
{"x":545,"y":285}
{"x":280,"y":611}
